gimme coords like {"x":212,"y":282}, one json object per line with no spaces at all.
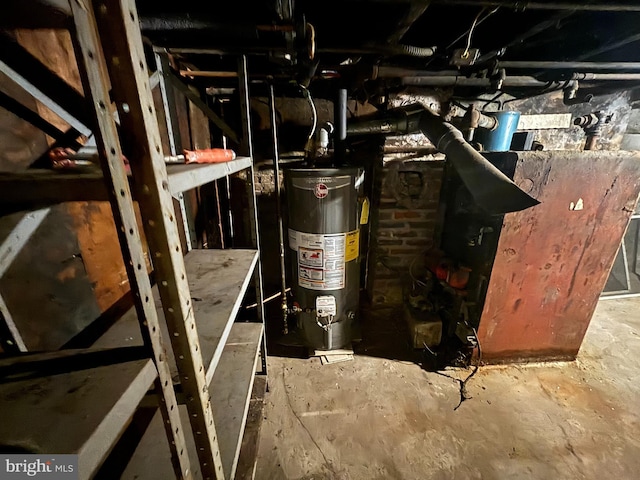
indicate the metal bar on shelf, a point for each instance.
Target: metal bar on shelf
{"x":28,"y":115}
{"x":154,"y":79}
{"x":173,"y":130}
{"x":30,"y":74}
{"x":11,"y":338}
{"x":168,"y":103}
{"x":213,"y":116}
{"x":276,"y":177}
{"x":39,"y":95}
{"x":247,"y":149}
{"x":122,"y":44}
{"x":93,"y":70}
{"x":19,"y":236}
{"x":9,"y":249}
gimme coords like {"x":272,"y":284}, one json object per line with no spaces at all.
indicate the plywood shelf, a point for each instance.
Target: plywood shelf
{"x":218,"y":280}
{"x":83,"y":411}
{"x":230,"y":392}
{"x":38,"y":188}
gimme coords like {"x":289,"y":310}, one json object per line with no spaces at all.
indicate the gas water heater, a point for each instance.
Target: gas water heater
{"x":324,"y":238}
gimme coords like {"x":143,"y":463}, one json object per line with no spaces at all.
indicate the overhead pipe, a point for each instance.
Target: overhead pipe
{"x":340,"y":123}
{"x":491,"y":188}
{"x":394,"y":72}
{"x":587,"y":66}
{"x":412,"y":51}
{"x":605,"y":77}
{"x":462,"y":81}
{"x":525,"y":5}
{"x":509,"y":81}
{"x":391,"y":50}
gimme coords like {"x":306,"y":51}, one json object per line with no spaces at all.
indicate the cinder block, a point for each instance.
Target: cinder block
{"x":425,"y":328}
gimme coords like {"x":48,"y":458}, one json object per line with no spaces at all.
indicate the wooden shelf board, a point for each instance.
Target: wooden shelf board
{"x":83,"y":411}
{"x":218,"y":280}
{"x":230,"y":395}
{"x":37,"y":188}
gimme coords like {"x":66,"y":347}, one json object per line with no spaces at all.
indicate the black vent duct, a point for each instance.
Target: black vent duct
{"x":491,"y":188}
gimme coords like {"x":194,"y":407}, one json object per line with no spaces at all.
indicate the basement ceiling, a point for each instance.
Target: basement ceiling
{"x":522,"y":31}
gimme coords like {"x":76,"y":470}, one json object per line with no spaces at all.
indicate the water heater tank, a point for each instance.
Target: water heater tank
{"x":324,"y":237}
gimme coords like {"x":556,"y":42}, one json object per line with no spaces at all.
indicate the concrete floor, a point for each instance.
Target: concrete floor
{"x":377,"y":418}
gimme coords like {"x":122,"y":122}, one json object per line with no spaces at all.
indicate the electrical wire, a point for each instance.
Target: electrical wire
{"x":494,"y":100}
{"x":464,"y":395}
{"x":475,"y":23}
{"x":307,"y":94}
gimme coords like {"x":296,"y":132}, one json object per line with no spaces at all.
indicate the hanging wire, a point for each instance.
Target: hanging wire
{"x":474,"y":25}
{"x":307,"y":95}
{"x":464,"y":395}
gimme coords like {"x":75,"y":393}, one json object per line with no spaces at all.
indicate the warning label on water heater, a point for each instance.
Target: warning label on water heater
{"x":321,"y":258}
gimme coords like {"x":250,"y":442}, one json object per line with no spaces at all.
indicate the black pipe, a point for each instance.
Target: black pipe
{"x":340,"y":121}
{"x":571,"y":65}
{"x":276,"y":181}
{"x":524,"y":5}
{"x":390,"y":50}
{"x":515,"y":81}
{"x":491,"y":188}
{"x":624,"y":77}
{"x":462,"y":81}
{"x":395,"y":72}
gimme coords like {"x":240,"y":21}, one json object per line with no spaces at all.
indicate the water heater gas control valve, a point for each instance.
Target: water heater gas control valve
{"x":326,"y":306}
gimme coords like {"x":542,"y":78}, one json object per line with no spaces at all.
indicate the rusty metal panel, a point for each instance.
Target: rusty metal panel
{"x":553,"y":260}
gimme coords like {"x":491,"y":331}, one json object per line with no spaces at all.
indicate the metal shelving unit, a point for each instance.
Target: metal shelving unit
{"x":82,"y":411}
{"x":218,"y":280}
{"x":182,"y":329}
{"x":230,"y":393}
{"x":38,"y":188}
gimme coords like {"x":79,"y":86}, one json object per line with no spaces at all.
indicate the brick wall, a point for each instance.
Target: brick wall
{"x":403,"y":223}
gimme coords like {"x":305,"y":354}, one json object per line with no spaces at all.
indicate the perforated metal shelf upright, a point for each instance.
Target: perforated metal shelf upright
{"x":197,"y":296}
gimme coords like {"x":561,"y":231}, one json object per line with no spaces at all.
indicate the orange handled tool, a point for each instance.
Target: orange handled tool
{"x":209,"y":155}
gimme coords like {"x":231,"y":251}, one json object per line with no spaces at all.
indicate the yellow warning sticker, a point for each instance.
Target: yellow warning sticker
{"x":352,"y":247}
{"x":364,"y":213}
